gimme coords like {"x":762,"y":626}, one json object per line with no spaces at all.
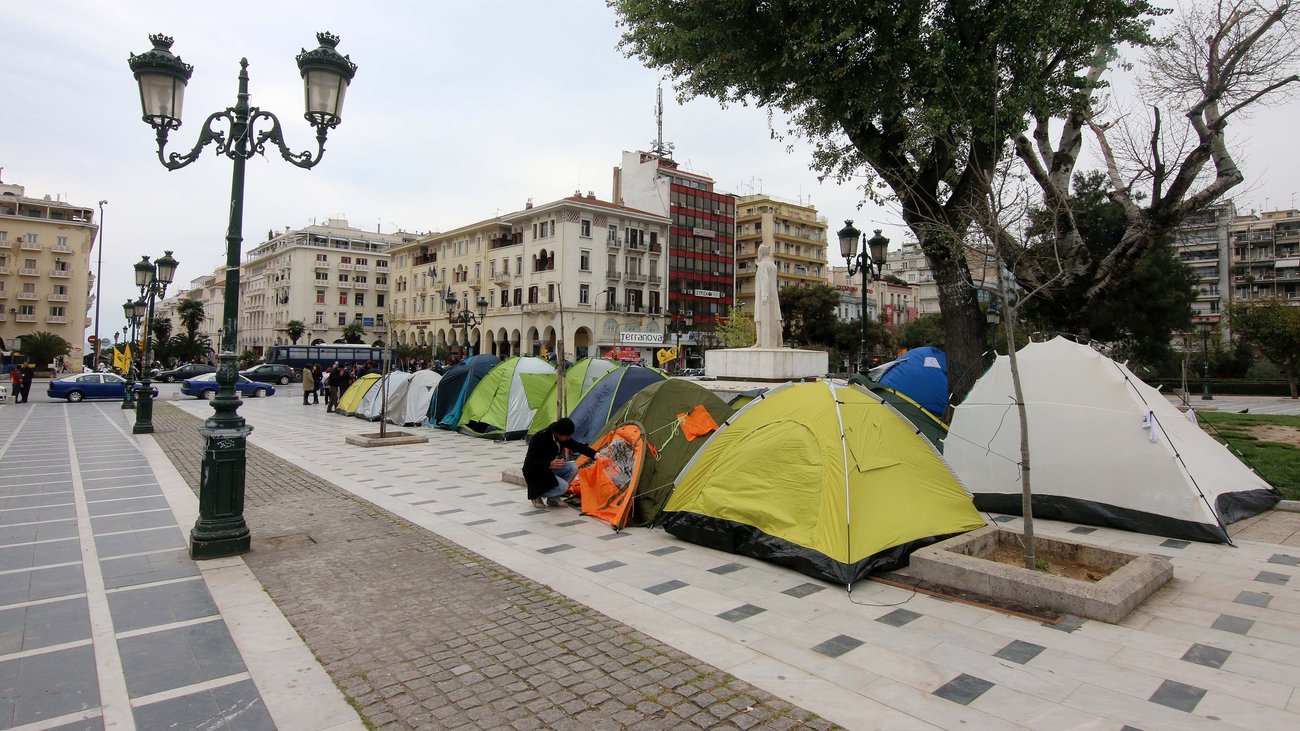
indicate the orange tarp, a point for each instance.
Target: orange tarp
{"x":697,"y":423}
{"x":601,"y":496}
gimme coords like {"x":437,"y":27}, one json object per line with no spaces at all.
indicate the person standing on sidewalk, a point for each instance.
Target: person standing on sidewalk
{"x":16,"y":381}
{"x":546,"y":471}
{"x":28,"y":374}
{"x":308,"y":385}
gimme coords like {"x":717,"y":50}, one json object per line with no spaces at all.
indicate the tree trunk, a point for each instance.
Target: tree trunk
{"x":963,"y":326}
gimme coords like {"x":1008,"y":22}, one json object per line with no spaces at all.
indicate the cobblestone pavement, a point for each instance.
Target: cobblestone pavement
{"x":421,"y":633}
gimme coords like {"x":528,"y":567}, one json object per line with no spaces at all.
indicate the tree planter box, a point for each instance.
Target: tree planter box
{"x":390,"y":439}
{"x":959,"y":563}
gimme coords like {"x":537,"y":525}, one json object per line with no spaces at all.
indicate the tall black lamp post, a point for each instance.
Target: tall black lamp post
{"x":152,"y":278}
{"x":678,"y":326}
{"x":464,"y":317}
{"x":1206,"y":327}
{"x":220,"y":529}
{"x":132,"y":310}
{"x":871,"y":262}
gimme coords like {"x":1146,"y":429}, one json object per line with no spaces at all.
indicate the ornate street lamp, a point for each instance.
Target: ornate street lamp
{"x":1205,"y":327}
{"x":153,"y":280}
{"x":465,"y":316}
{"x":871,"y":262}
{"x":220,"y":529}
{"x":679,"y":325}
{"x":132,"y":310}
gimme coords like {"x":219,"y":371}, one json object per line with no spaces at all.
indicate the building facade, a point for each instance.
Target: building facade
{"x":1266,"y":256}
{"x":911,"y":265}
{"x":1202,"y":242}
{"x":701,"y":255}
{"x":889,"y":303}
{"x":45,"y":279}
{"x":579,"y":272}
{"x":326,"y":276}
{"x":797,"y":237}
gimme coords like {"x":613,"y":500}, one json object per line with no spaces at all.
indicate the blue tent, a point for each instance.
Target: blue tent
{"x":920,"y":374}
{"x":607,"y":395}
{"x":456,"y":385}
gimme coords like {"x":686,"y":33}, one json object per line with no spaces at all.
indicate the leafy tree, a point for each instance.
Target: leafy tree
{"x":42,"y":348}
{"x":924,"y":330}
{"x":808,"y":311}
{"x":407,"y":351}
{"x":737,"y":330}
{"x":295,"y":329}
{"x":190,"y":347}
{"x":190,"y":313}
{"x":161,"y":332}
{"x":248,"y":358}
{"x":925,"y":96}
{"x":1273,"y":328}
{"x":848,"y":342}
{"x":353,"y":332}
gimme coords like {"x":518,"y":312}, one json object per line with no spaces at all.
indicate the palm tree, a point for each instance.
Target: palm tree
{"x":295,"y":329}
{"x":353,"y":332}
{"x":190,"y":313}
{"x":41,"y":348}
{"x":190,"y":347}
{"x":162,"y":335}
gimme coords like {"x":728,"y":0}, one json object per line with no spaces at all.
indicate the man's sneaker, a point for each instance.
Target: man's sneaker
{"x":554,"y":502}
{"x":538,"y":502}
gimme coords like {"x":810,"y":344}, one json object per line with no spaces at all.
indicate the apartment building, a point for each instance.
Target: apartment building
{"x":1266,"y":256}
{"x":207,"y":289}
{"x":1202,"y":243}
{"x":795,"y":233}
{"x":579,"y":269}
{"x":911,"y":265}
{"x":701,"y":242}
{"x":327,"y":276}
{"x":889,"y":303}
{"x":45,"y":278}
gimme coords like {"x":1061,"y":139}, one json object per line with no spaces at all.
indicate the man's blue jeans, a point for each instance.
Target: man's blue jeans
{"x":562,"y":477}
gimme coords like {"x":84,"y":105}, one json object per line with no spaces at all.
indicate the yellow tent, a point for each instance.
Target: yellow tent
{"x":824,"y":478}
{"x":351,"y":398}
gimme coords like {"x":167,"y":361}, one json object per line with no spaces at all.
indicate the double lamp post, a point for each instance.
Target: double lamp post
{"x":871,"y":262}
{"x":464,"y":317}
{"x":220,"y":529}
{"x":152,"y":278}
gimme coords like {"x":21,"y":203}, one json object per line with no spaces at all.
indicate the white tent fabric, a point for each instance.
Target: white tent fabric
{"x":519,"y":413}
{"x":413,"y":407}
{"x":1105,"y":449}
{"x":373,"y":402}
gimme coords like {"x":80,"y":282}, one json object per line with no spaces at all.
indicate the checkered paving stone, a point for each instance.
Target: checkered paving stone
{"x":1284,"y":559}
{"x":1177,"y":695}
{"x":1236,"y":625}
{"x":963,"y":689}
{"x":606,"y":566}
{"x":744,"y":611}
{"x":726,"y":568}
{"x":1067,"y":624}
{"x":1253,"y":598}
{"x":1175,"y":543}
{"x":803,"y":590}
{"x":666,"y":550}
{"x":1210,"y":657}
{"x":838,"y":645}
{"x":498,"y":652}
{"x":898,"y":617}
{"x":665,"y":587}
{"x":1269,"y":577}
{"x":1019,"y":651}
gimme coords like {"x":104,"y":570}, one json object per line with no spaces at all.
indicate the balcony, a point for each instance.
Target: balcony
{"x":613,"y":276}
{"x":540,"y":307}
{"x":345,"y":267}
{"x":61,"y":273}
{"x":343,"y":285}
{"x":25,"y":272}
{"x":6,"y":244}
{"x":475,"y":282}
{"x":57,"y":319}
{"x":4,"y":295}
{"x":656,"y":279}
{"x":361,"y":285}
{"x":57,"y":297}
{"x":5,"y":270}
{"x":637,"y":278}
{"x":361,"y":267}
{"x":501,"y":278}
{"x":24,"y":318}
{"x":29,"y":296}
{"x":614,"y":243}
{"x":381,"y":286}
{"x":61,"y":249}
{"x":322,"y":265}
{"x":29,"y":245}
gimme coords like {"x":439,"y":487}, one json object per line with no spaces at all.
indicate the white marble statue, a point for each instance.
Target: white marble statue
{"x":767,"y":309}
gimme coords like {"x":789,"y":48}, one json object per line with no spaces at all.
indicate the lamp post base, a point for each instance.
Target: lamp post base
{"x":220,"y":529}
{"x":143,"y":411}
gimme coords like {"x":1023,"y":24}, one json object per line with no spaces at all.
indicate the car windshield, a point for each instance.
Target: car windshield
{"x":213,"y":377}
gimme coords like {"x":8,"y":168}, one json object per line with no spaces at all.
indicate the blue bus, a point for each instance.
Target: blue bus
{"x":301,"y":356}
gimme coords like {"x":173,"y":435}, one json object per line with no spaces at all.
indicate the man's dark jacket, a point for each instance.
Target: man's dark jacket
{"x":543,"y":448}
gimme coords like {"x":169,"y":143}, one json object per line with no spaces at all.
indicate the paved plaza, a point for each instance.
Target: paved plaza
{"x":436,"y":597}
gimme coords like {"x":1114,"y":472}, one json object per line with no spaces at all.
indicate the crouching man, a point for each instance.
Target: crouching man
{"x":546,"y":470}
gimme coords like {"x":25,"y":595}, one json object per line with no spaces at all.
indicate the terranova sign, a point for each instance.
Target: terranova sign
{"x":640,"y":339}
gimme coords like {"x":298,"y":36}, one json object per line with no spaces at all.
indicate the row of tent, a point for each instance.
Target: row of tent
{"x":841,"y":480}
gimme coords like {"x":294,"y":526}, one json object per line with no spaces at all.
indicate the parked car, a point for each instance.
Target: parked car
{"x":189,"y":370}
{"x":205,"y":386}
{"x":83,"y":386}
{"x":271,"y":373}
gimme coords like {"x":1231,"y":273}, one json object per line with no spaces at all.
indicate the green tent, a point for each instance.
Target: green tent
{"x":504,"y":402}
{"x":822,"y":477}
{"x":578,"y":378}
{"x":655,"y":410}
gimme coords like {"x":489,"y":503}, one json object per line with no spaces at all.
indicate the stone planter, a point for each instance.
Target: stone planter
{"x":389,"y":439}
{"x":958,"y":563}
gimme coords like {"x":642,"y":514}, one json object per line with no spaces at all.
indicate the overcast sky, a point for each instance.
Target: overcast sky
{"x":459,"y":110}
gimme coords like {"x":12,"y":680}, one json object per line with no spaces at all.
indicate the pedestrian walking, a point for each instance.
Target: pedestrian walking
{"x":16,"y":382}
{"x":27,"y":374}
{"x":318,"y":377}
{"x":324,"y":385}
{"x":308,"y":385}
{"x":546,"y":470}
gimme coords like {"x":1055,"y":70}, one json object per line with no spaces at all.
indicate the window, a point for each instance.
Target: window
{"x":584,"y":294}
{"x":56,"y":311}
{"x":381,"y":279}
{"x":532,"y":294}
{"x":61,"y":240}
{"x":31,"y":238}
{"x":379,"y":300}
{"x":322,"y":257}
{"x":322,"y":276}
{"x":343,"y":277}
{"x":343,"y":298}
{"x":320,"y":318}
{"x":362,"y":262}
{"x":4,"y":235}
{"x":519,"y":264}
{"x":320,"y":296}
{"x":613,"y":234}
{"x":381,"y":263}
{"x":345,"y":260}
{"x":550,"y":293}
{"x":26,"y":309}
{"x":519,"y":296}
{"x":29,"y":287}
{"x":29,"y":263}
{"x":343,"y":319}
{"x":584,"y":260}
{"x":359,"y":299}
{"x":358,"y":317}
{"x":379,"y":319}
{"x":584,"y":229}
{"x":359,"y":279}
{"x":654,"y":239}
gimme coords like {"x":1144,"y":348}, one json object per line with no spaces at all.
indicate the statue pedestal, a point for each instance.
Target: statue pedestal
{"x":765,"y":364}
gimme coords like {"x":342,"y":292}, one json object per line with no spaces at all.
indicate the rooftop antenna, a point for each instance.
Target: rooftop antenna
{"x":661,"y":148}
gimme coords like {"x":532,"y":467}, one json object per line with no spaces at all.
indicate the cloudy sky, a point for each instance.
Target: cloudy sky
{"x":459,"y":110}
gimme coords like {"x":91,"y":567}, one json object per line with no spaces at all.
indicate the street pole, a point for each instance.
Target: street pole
{"x":1205,"y":365}
{"x":863,"y":359}
{"x":99,"y":273}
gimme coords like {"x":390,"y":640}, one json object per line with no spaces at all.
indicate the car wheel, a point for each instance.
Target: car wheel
{"x":284,"y":380}
{"x":166,"y":379}
{"x":259,"y":393}
{"x":75,"y":396}
{"x":208,"y":394}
